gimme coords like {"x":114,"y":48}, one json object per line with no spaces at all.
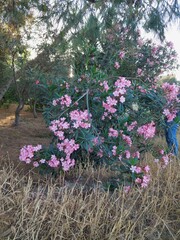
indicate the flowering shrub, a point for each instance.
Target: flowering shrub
{"x":110,"y":119}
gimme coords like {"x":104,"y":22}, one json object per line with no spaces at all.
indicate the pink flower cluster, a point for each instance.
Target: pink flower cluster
{"x":58,"y":127}
{"x":132,"y":126}
{"x":164,"y":159}
{"x":127,"y":139}
{"x":109,"y":105}
{"x":145,"y":179}
{"x":27,"y":153}
{"x":171,"y":91}
{"x":147,"y":130}
{"x":121,"y":54}
{"x":68,"y":147}
{"x":116,"y":65}
{"x":105,"y":85}
{"x":80,"y":119}
{"x":170,"y":114}
{"x":63,"y":101}
{"x":53,"y":162}
{"x":120,"y":88}
{"x":113,"y":133}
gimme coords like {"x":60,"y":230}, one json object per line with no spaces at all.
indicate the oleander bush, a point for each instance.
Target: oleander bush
{"x":111,"y":113}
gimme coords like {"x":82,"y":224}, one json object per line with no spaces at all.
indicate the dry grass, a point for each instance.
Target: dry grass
{"x":45,"y":210}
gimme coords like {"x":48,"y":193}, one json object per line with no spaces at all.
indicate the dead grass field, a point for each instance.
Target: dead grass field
{"x":68,"y":208}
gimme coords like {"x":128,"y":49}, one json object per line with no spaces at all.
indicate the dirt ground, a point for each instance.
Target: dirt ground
{"x":30,"y":131}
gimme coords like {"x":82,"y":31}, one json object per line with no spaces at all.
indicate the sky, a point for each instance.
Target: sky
{"x":173,"y":35}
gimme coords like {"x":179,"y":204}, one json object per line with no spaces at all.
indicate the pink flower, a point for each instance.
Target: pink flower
{"x":105,"y":85}
{"x":53,"y":162}
{"x":121,"y":54}
{"x":138,"y":180}
{"x":114,"y":150}
{"x":147,"y":130}
{"x":100,"y":153}
{"x":116,"y":65}
{"x":127,"y":189}
{"x":128,"y":154}
{"x":37,"y":82}
{"x":139,"y":72}
{"x":113,"y":133}
{"x":145,"y":181}
{"x":80,"y":119}
{"x":146,"y":169}
{"x":42,"y":161}
{"x":127,"y":139}
{"x":132,"y":126}
{"x":122,"y":99}
{"x":136,"y":154}
{"x":27,"y":153}
{"x":138,"y":170}
{"x":161,"y":151}
{"x":35,"y":164}
{"x":68,"y":146}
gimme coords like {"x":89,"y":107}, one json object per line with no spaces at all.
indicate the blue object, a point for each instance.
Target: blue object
{"x":171,"y":136}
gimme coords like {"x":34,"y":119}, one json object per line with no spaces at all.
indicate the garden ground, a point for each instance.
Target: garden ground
{"x":33,"y":210}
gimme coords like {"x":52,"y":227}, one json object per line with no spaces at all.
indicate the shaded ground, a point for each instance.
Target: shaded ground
{"x":31,"y":131}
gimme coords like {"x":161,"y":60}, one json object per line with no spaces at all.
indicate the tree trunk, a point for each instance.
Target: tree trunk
{"x":4,"y":89}
{"x":34,"y":109}
{"x":17,"y":112}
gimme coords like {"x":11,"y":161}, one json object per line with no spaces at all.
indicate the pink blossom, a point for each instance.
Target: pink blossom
{"x":140,"y":72}
{"x":42,"y":161}
{"x":122,"y":99}
{"x":105,"y":85}
{"x":145,"y":181}
{"x":27,"y":153}
{"x":100,"y":153}
{"x":80,"y":119}
{"x":127,"y":139}
{"x":67,"y":163}
{"x":146,"y":169}
{"x":136,"y":154}
{"x":161,"y":151}
{"x":165,"y":159}
{"x":127,"y":189}
{"x":121,"y":54}
{"x":68,"y":146}
{"x":116,"y":65}
{"x":114,"y":150}
{"x":132,"y":126}
{"x":171,"y":91}
{"x":65,"y":100}
{"x":113,"y":133}
{"x":138,"y":180}
{"x":35,"y":164}
{"x":138,"y":170}
{"x":53,"y":162}
{"x":147,"y":130}
{"x":127,"y":153}
{"x":37,"y":82}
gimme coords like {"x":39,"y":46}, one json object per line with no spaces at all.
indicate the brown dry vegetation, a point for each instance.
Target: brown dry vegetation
{"x":43,"y":209}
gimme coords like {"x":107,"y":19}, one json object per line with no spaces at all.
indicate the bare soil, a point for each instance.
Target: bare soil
{"x":30,"y":131}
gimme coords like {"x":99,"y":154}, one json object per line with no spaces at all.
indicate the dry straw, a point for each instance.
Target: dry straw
{"x":46,"y":210}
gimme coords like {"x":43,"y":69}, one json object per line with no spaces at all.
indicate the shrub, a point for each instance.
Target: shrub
{"x":110,"y":115}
